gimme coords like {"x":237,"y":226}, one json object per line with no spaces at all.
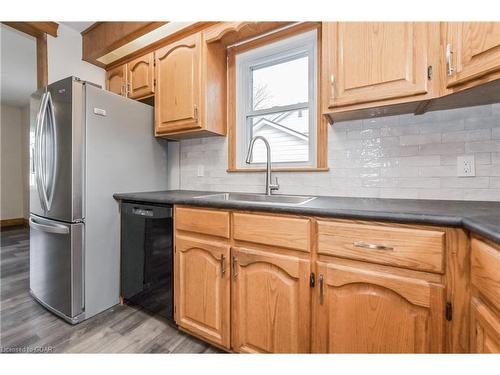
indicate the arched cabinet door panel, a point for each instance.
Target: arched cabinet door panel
{"x":485,"y":328}
{"x":360,"y":310}
{"x":472,"y":53}
{"x":178,"y":85}
{"x":270,"y":302}
{"x":202,"y":288}
{"x":368,"y":62}
{"x":116,"y":80}
{"x":140,"y":73}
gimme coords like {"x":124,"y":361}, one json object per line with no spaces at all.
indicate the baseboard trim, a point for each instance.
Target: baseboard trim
{"x":13,"y":222}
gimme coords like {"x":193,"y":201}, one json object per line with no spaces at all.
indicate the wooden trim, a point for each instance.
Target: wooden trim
{"x":228,"y":33}
{"x":35,"y":29}
{"x":321,"y":127}
{"x":5,"y":223}
{"x":42,"y":70}
{"x":278,"y":169}
{"x":180,"y":34}
{"x":103,"y":37}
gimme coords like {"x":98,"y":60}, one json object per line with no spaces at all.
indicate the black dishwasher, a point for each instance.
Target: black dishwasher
{"x":146,"y":277}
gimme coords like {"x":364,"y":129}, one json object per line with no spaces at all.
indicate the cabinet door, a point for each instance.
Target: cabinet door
{"x":475,"y":51}
{"x":140,"y":77}
{"x":373,"y":61}
{"x":202,"y":288}
{"x":270,"y":302}
{"x":485,"y":325}
{"x":116,"y":80}
{"x":365,"y":311}
{"x":178,"y":85}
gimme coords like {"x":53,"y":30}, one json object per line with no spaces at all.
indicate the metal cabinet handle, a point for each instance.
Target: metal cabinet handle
{"x":371,"y":246}
{"x":332,"y":86}
{"x":321,"y":282}
{"x":195,"y":112}
{"x":222,"y":269}
{"x":449,"y":59}
{"x":128,"y":88}
{"x":235,"y":263}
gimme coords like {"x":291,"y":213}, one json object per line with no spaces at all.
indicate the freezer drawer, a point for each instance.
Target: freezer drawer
{"x":56,"y":266}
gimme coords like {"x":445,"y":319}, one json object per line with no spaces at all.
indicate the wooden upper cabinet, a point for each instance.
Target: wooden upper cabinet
{"x":363,"y":310}
{"x":202,"y":288}
{"x":372,"y":63}
{"x":485,"y":328}
{"x":116,"y":80}
{"x":190,"y":92}
{"x":140,"y":77}
{"x":178,"y":77}
{"x":270,"y":302}
{"x":472,"y":51}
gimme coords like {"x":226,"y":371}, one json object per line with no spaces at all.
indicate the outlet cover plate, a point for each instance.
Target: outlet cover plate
{"x":466,"y":166}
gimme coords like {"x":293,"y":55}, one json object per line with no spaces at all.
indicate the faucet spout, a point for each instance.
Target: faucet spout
{"x":269,"y":186}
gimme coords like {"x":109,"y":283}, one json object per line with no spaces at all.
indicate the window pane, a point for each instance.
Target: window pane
{"x":287,"y":134}
{"x":280,"y":84}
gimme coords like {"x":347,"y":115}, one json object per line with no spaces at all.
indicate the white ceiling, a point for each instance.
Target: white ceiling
{"x":78,"y":26}
{"x":17,"y":66}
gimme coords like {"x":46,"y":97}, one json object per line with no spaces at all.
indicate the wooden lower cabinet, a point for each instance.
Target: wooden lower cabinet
{"x":202,"y":288}
{"x":270,"y":302}
{"x":485,"y":332}
{"x":362,"y":310}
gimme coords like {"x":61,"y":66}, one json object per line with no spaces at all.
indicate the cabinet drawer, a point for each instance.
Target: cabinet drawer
{"x":418,"y":249}
{"x":211,"y":222}
{"x":287,"y":232}
{"x":485,"y":270}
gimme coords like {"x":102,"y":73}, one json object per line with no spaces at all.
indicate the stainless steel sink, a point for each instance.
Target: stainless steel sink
{"x":294,"y":200}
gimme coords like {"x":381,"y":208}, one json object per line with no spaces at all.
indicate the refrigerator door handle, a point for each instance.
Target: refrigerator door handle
{"x":38,"y":150}
{"x":52,"y":228}
{"x":53,"y":142}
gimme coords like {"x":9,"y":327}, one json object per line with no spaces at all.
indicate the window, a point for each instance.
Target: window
{"x":276,"y":90}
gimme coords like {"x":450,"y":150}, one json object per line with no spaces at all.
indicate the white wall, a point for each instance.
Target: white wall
{"x":404,"y":156}
{"x":14,"y":191}
{"x":65,"y":58}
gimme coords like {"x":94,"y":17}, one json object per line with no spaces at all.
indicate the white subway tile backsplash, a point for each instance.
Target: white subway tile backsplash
{"x":465,"y":182}
{"x":456,"y":148}
{"x":483,"y":146}
{"x":467,"y":136}
{"x":404,"y":156}
{"x":495,"y":133}
{"x":481,"y":122}
{"x":421,"y":139}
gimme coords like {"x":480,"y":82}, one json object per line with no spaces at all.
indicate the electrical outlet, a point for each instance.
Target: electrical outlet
{"x":201,"y":170}
{"x":466,"y":166}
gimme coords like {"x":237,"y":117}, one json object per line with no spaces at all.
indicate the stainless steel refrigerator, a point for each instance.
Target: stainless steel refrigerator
{"x":85,"y":144}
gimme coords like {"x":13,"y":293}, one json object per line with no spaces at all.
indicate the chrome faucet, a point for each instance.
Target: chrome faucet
{"x":269,"y":186}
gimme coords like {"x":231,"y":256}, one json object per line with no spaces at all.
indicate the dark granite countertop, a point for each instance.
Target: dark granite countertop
{"x":482,"y":218}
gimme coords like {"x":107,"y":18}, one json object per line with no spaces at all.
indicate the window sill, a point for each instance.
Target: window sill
{"x":278,"y":169}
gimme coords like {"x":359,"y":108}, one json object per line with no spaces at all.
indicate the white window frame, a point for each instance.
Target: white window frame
{"x":304,"y":44}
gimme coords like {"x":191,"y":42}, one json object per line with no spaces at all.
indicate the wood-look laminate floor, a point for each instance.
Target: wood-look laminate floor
{"x":26,"y":325}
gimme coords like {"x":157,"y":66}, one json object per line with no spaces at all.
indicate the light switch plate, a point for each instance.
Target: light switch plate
{"x":466,"y":166}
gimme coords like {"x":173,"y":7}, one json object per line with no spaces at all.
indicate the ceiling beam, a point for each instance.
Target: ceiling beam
{"x":35,"y":29}
{"x":104,"y":37}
